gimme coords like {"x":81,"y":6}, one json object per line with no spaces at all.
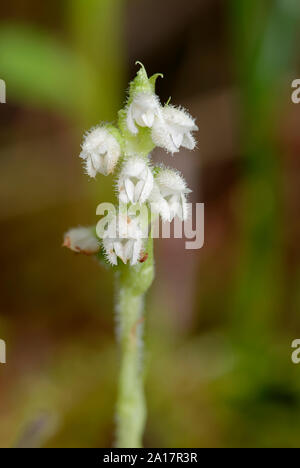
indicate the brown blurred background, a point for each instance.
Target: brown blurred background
{"x":220,"y":320}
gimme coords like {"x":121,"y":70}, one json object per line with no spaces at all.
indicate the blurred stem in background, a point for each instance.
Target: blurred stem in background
{"x":264,"y":39}
{"x":101,"y":20}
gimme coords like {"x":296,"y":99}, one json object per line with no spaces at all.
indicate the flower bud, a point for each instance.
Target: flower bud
{"x":81,"y":240}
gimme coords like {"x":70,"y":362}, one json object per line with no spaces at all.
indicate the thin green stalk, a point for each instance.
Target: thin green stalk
{"x":131,"y":408}
{"x":132,"y":283}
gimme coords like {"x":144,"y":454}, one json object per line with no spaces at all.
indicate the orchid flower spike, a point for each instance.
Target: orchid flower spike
{"x":101,"y":150}
{"x":82,"y":240}
{"x":123,"y":239}
{"x":169,"y":195}
{"x":174,"y":129}
{"x":125,"y":234}
{"x":135,"y":181}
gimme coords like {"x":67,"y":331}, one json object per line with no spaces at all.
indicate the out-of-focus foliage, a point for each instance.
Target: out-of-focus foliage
{"x":42,"y":71}
{"x":82,"y":78}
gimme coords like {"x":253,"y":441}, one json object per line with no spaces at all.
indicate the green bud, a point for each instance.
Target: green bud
{"x":141,"y":83}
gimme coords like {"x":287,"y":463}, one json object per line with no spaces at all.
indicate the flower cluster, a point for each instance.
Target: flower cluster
{"x":125,"y":150}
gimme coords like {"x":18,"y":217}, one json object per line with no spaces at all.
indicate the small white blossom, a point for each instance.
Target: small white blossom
{"x":173,"y":129}
{"x":81,"y":240}
{"x":169,"y":195}
{"x":123,"y":239}
{"x":101,"y":151}
{"x":135,"y":181}
{"x":142,"y":111}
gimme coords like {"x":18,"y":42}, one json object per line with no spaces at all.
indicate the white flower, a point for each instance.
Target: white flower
{"x":142,"y":111}
{"x":135,"y":182}
{"x":81,"y":240}
{"x":168,"y":197}
{"x":123,"y":239}
{"x":174,"y":129}
{"x":101,"y":151}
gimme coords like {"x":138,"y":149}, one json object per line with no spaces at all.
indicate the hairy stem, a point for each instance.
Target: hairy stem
{"x":132,"y":282}
{"x":131,"y":408}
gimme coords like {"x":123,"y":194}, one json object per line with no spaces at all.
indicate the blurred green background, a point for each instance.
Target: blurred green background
{"x":218,"y":348}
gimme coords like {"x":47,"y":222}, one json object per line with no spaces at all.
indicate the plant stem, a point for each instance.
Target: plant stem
{"x":132,"y":282}
{"x":131,"y":408}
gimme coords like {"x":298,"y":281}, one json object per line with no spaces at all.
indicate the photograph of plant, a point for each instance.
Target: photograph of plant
{"x":149,"y":185}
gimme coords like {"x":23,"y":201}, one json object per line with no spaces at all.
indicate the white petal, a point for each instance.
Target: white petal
{"x":174,"y":206}
{"x":136,"y":251}
{"x":113,"y":258}
{"x":90,"y":170}
{"x":129,"y":187}
{"x":177,"y":139}
{"x":148,"y":119}
{"x":148,"y":186}
{"x":161,"y":136}
{"x":179,"y":117}
{"x":130,"y":122}
{"x":138,"y":190}
{"x":108,"y":246}
{"x":81,"y":240}
{"x":170,"y":181}
{"x":184,"y":205}
{"x":127,"y":249}
{"x":123,"y":196}
{"x":165,"y":211}
{"x":118,"y":248}
{"x":189,"y":141}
